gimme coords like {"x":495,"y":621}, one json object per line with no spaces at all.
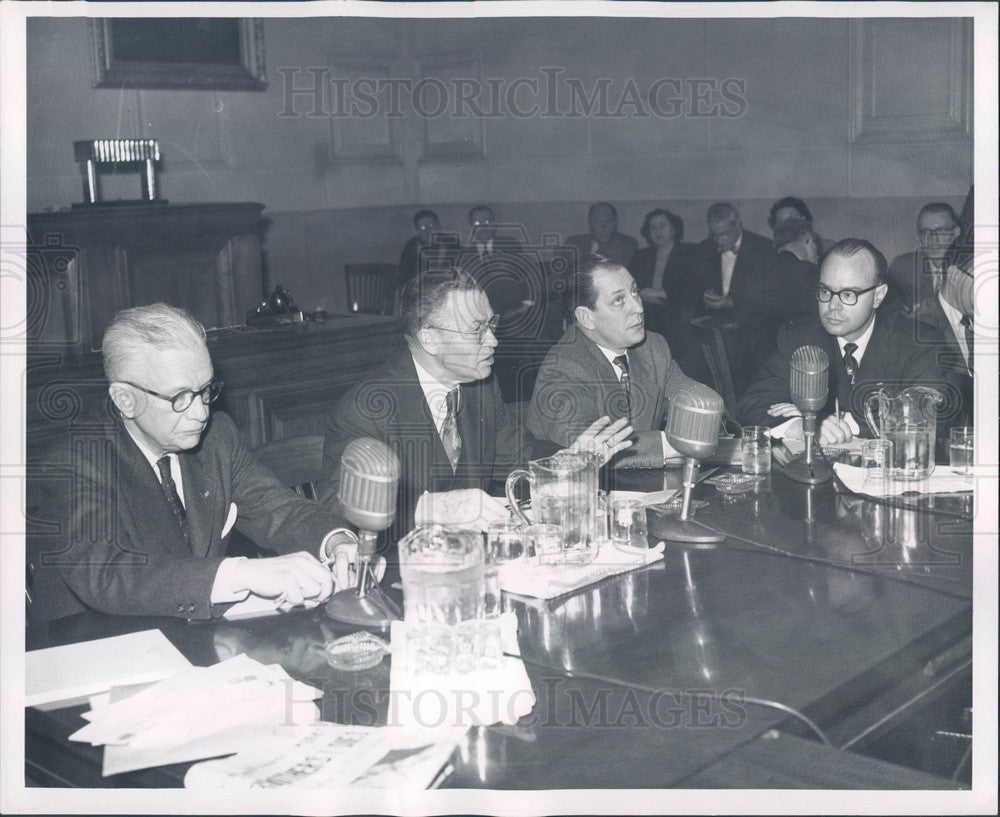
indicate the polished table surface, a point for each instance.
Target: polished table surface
{"x":820,"y":611}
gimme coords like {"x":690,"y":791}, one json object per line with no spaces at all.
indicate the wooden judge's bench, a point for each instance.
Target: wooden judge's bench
{"x":86,"y":264}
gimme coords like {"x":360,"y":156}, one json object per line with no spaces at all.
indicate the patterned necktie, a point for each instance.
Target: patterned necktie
{"x":970,"y":338}
{"x":622,"y":363}
{"x":173,"y":499}
{"x":850,"y":361}
{"x":449,"y":428}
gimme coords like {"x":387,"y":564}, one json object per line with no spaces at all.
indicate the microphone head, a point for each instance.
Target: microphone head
{"x":810,"y":378}
{"x":369,"y":474}
{"x":693,"y":419}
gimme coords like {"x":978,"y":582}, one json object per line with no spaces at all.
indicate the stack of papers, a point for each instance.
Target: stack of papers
{"x":198,"y":713}
{"x":944,"y":480}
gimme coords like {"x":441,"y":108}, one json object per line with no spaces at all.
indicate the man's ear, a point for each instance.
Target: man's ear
{"x":584,"y":317}
{"x":880,"y":294}
{"x":123,"y":398}
{"x":427,"y":340}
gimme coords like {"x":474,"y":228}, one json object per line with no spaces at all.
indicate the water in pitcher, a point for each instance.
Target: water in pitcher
{"x":569,"y":507}
{"x":911,"y":453}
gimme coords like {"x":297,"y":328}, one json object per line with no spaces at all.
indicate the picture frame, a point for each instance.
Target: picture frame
{"x":181,"y":53}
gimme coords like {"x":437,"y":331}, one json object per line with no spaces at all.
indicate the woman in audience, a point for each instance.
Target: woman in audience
{"x":788,"y":208}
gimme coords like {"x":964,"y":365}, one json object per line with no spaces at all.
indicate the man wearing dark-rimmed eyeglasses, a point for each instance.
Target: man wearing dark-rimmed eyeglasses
{"x":868,"y":347}
{"x":153,"y":487}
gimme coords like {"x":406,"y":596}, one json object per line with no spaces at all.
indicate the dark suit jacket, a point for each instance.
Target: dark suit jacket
{"x":949,"y":357}
{"x":797,"y":283}
{"x":118,"y":547}
{"x":390,"y":406}
{"x":577,"y":385}
{"x":680,"y":280}
{"x":893,"y":357}
{"x":619,"y":247}
{"x":911,"y":279}
{"x":418,"y":257}
{"x":754,"y":287}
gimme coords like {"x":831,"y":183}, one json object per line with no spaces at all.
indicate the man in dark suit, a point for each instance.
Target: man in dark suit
{"x":604,"y":239}
{"x":796,"y":268}
{"x":149,"y":494}
{"x":916,"y":276}
{"x":867,"y":347}
{"x":740,"y":288}
{"x":607,"y":364}
{"x":427,"y":250}
{"x":439,"y":409}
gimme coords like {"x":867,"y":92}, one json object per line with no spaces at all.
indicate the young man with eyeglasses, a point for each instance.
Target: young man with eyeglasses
{"x":151,"y":491}
{"x":867,"y":348}
{"x":437,"y":405}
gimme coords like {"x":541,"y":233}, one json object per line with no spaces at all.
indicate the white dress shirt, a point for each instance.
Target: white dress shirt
{"x":728,"y":261}
{"x":954,"y":317}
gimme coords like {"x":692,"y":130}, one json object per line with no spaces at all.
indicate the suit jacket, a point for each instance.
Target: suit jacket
{"x":911,"y":279}
{"x":619,"y":247}
{"x":755,"y":285}
{"x":510,"y":275}
{"x":118,"y":547}
{"x":949,"y":357}
{"x":797,"y":284}
{"x":418,"y":257}
{"x":892,"y":358}
{"x":577,"y":385}
{"x":680,"y":281}
{"x":390,"y":406}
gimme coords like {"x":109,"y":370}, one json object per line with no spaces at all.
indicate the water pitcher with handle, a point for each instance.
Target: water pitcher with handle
{"x":908,"y":418}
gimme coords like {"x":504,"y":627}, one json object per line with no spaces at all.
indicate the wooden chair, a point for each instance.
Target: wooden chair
{"x":297,"y":462}
{"x":370,"y":287}
{"x":713,"y":346}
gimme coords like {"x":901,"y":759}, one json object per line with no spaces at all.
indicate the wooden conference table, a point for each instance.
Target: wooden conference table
{"x":719,"y":667}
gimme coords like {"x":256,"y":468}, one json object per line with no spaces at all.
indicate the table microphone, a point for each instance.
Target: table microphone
{"x":369,"y":475}
{"x":809,"y":386}
{"x":693,"y":420}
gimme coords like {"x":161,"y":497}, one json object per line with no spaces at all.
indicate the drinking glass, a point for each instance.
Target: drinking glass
{"x":755,"y":448}
{"x":960,"y":451}
{"x":547,"y":541}
{"x":628,"y":523}
{"x":876,"y":460}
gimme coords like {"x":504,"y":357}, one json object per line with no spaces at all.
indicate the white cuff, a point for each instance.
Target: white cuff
{"x":222,"y":587}
{"x":329,"y":544}
{"x":779,"y":432}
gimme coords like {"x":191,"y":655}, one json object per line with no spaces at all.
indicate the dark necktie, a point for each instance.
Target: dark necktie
{"x":850,"y":361}
{"x":173,"y":499}
{"x":449,"y":429}
{"x":622,"y":363}
{"x":970,"y":338}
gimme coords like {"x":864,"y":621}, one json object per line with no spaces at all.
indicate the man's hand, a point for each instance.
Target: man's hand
{"x":342,"y":556}
{"x":831,"y":431}
{"x":604,"y":438}
{"x":716,"y":300}
{"x":468,"y":507}
{"x":293,"y":579}
{"x":787,"y":410}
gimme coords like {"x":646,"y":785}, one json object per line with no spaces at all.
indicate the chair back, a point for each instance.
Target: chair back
{"x":297,"y":462}
{"x":370,"y":287}
{"x":713,"y":347}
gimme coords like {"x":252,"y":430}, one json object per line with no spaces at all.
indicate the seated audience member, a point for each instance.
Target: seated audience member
{"x":916,"y":276}
{"x":436,"y":405}
{"x":739,"y":286}
{"x":603,"y":239}
{"x":155,"y":487}
{"x":425,"y":251}
{"x":867,"y":347}
{"x":607,"y":364}
{"x":798,"y":273}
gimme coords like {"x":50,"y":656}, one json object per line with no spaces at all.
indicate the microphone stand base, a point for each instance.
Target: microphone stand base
{"x":809,"y":473}
{"x":685,"y":530}
{"x":374,"y":609}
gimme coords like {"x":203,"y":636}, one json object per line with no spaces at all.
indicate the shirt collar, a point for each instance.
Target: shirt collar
{"x":861,"y":343}
{"x":435,"y":392}
{"x":953,"y":315}
{"x":736,"y":247}
{"x":151,"y":458}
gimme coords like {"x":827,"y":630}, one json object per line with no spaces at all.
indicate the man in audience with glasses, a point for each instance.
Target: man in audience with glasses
{"x":146,"y":495}
{"x":437,"y":405}
{"x":867,"y":348}
{"x":915,"y":277}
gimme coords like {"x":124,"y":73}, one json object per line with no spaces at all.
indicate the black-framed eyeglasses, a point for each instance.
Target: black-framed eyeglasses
{"x":940,"y":232}
{"x":480,"y":331}
{"x":849,"y":297}
{"x":183,"y":399}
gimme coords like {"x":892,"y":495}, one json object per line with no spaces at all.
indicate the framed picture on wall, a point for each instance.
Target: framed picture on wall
{"x":205,"y":53}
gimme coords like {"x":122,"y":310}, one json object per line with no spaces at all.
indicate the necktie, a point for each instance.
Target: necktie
{"x":449,"y":429}
{"x":173,"y":499}
{"x":622,"y":363}
{"x":850,"y":361}
{"x":970,"y":337}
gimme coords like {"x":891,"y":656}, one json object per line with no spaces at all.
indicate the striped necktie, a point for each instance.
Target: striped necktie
{"x":970,"y":339}
{"x":173,"y":498}
{"x":450,"y":437}
{"x":850,"y":361}
{"x":622,"y":363}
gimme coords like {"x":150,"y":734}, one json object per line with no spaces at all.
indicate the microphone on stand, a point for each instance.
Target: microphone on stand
{"x":809,"y":385}
{"x":693,"y":420}
{"x":369,"y":474}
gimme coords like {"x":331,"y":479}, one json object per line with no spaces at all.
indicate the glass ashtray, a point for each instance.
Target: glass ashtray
{"x":734,"y":483}
{"x":674,"y":505}
{"x":357,"y":651}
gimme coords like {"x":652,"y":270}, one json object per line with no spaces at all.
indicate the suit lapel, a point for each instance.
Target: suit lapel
{"x":414,"y":418}
{"x":202,"y":500}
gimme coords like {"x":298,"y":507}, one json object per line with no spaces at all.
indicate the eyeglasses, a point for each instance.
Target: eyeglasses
{"x":480,"y":331}
{"x":848,"y":297}
{"x":940,"y":232}
{"x":183,"y":399}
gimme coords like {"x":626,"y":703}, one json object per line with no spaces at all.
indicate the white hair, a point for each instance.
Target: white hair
{"x":158,"y":325}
